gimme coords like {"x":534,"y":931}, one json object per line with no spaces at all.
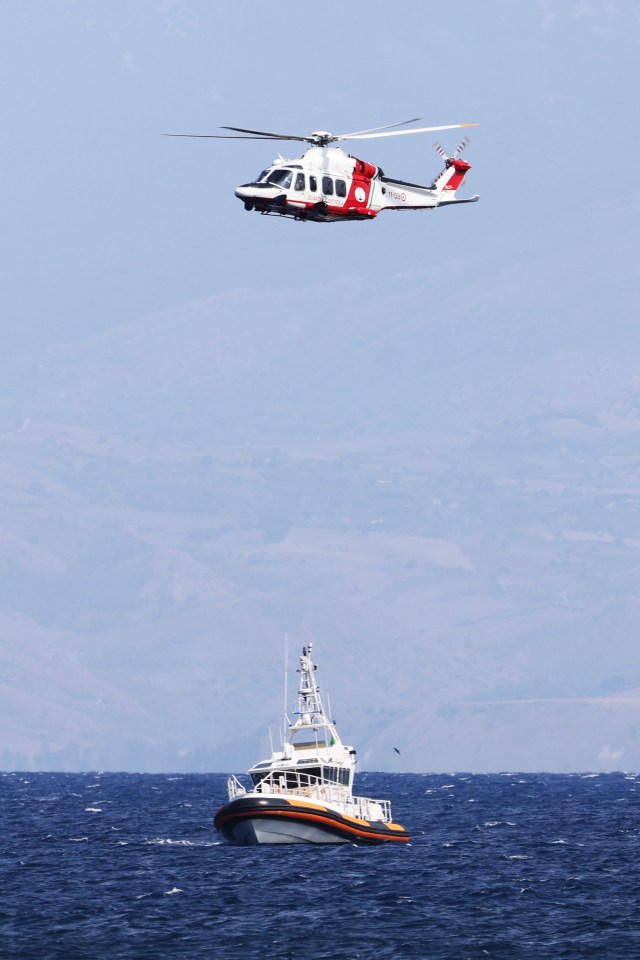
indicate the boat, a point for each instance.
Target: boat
{"x":304,"y":792}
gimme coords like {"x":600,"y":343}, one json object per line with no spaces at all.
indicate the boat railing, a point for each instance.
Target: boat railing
{"x":235,"y":788}
{"x":365,"y":808}
{"x":299,"y":784}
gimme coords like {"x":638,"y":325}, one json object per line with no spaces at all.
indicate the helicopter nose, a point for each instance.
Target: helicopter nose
{"x":246,"y":191}
{"x":262,"y":192}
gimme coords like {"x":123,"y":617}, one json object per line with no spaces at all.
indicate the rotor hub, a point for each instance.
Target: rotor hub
{"x":321,"y":137}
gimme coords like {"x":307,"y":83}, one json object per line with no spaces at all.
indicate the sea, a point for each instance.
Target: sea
{"x":513,"y":866}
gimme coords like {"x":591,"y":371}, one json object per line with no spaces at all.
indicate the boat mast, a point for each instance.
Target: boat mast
{"x":285,"y":722}
{"x":310,"y":710}
{"x":310,"y":706}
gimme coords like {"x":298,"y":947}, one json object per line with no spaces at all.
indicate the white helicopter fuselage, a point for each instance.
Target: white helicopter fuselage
{"x":326,"y":184}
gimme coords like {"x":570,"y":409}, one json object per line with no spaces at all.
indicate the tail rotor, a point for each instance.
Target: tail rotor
{"x":464,"y":143}
{"x":455,"y":170}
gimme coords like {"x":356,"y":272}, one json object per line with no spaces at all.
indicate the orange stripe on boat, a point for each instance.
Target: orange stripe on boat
{"x":323,"y":820}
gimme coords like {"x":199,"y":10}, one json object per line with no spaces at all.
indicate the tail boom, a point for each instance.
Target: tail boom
{"x":400,"y":195}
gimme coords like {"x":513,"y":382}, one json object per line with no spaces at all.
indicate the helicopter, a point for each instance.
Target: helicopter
{"x":327,"y":185}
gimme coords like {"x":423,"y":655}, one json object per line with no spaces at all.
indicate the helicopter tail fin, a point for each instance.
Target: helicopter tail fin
{"x":451,"y":178}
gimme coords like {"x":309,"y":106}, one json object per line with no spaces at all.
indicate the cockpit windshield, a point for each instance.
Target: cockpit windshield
{"x":281,"y":178}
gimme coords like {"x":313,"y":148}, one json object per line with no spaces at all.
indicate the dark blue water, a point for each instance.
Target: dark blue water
{"x":129,"y":866}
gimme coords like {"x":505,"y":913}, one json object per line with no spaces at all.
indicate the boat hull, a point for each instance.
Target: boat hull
{"x":252,"y":820}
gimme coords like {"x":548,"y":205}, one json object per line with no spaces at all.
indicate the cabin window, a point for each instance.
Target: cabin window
{"x":341,"y":188}
{"x":300,"y":181}
{"x":335,"y":774}
{"x":327,"y":186}
{"x":263,"y":176}
{"x":281,"y":178}
{"x":313,"y":184}
{"x":309,"y":776}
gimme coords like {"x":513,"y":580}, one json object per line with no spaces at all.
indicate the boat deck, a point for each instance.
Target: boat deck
{"x":309,"y":788}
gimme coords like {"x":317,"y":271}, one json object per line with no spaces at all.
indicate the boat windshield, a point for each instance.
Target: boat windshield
{"x":321,"y":739}
{"x":296,"y":779}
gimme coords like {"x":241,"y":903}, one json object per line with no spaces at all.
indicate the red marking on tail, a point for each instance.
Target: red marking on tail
{"x":458,"y":171}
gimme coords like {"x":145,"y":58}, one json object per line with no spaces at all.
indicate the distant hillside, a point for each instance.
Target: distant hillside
{"x":435,"y":479}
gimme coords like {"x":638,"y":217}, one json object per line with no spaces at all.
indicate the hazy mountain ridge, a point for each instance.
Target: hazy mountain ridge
{"x":179,"y":480}
{"x":462,"y":334}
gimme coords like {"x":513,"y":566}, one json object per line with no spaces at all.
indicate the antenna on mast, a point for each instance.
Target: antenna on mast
{"x":286,"y":663}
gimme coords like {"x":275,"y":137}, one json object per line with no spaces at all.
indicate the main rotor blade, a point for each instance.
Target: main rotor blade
{"x":388,"y":126}
{"x":226,"y":136}
{"x":401,"y":133}
{"x":265,"y":134}
{"x":251,"y":135}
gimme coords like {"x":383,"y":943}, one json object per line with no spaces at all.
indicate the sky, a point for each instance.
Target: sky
{"x":110,"y":220}
{"x":114,"y":232}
